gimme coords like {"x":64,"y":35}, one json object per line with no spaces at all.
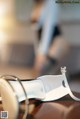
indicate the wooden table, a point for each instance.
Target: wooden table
{"x":63,"y":109}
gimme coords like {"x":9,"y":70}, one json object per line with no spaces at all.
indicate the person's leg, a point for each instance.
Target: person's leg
{"x":51,"y":60}
{"x":57,"y":33}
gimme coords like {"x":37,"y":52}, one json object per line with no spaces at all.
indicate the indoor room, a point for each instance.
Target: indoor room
{"x":40,"y":43}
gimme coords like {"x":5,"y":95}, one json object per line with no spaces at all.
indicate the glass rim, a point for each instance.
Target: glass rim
{"x":16,"y":97}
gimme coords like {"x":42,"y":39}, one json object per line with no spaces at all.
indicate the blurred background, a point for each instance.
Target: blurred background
{"x":18,"y":37}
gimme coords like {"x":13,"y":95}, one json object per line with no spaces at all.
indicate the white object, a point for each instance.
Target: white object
{"x":44,"y":88}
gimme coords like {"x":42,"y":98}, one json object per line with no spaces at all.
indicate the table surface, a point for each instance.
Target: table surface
{"x":64,"y":108}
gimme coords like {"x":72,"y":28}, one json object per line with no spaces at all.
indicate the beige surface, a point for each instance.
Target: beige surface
{"x":21,"y":72}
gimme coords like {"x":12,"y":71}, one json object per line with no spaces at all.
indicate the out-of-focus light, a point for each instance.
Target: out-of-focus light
{"x":3,"y":9}
{"x":3,"y":12}
{"x":2,"y":36}
{"x":2,"y":23}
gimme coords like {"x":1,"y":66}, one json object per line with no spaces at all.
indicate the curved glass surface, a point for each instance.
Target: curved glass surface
{"x":10,"y":99}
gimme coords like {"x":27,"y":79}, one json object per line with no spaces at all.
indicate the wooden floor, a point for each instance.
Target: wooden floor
{"x":21,"y":72}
